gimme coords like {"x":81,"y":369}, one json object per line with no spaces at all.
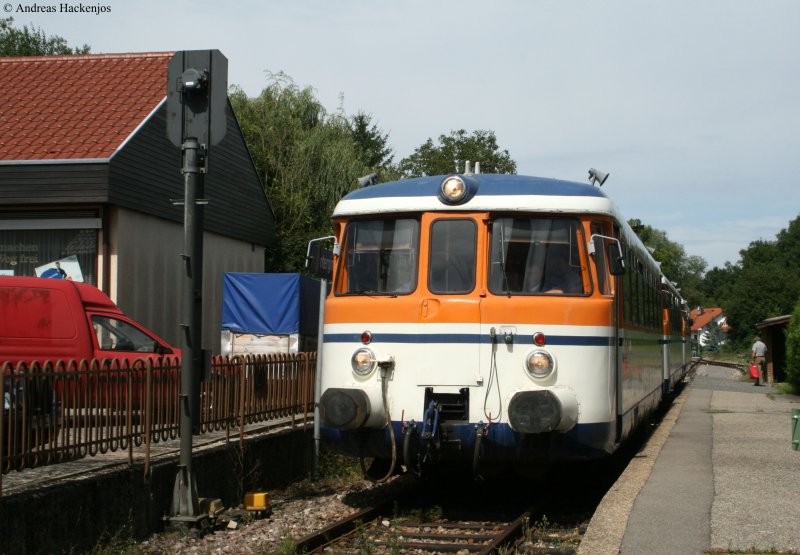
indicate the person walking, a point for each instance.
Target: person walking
{"x":758,"y":357}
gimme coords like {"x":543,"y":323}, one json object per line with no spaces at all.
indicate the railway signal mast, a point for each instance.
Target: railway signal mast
{"x":197,"y":97}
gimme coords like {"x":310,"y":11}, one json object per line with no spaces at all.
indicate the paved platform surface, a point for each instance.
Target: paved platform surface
{"x":718,"y":476}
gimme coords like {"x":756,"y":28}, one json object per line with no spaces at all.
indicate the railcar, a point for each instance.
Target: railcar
{"x":491,"y":319}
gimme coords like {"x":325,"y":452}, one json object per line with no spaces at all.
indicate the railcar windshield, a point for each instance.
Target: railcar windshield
{"x":379,"y":257}
{"x":451,"y":265}
{"x":535,"y":256}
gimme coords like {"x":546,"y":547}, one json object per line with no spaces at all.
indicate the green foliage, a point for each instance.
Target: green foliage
{"x":717,"y":284}
{"x":335,"y":467}
{"x":793,"y":349}
{"x":686,"y":271}
{"x":372,"y":144}
{"x":714,"y":337}
{"x":765,"y":283}
{"x":453,"y":150}
{"x":119,"y":543}
{"x":32,"y":42}
{"x":287,"y":546}
{"x":307,"y":158}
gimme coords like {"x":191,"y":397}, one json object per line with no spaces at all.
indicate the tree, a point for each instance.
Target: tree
{"x":32,"y":42}
{"x":307,"y":158}
{"x":793,"y":349}
{"x":717,"y":284}
{"x":372,"y":143}
{"x":713,"y":337}
{"x":453,"y":150}
{"x":766,"y":285}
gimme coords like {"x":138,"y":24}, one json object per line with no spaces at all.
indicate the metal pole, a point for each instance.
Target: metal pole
{"x":185,"y":505}
{"x":323,"y":289}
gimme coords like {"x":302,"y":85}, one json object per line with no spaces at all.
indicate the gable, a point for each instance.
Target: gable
{"x":145,"y":175}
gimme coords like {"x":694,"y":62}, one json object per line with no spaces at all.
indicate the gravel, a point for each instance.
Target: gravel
{"x":296,"y":511}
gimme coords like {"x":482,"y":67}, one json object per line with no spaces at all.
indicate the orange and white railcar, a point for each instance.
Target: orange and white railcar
{"x":492,"y":318}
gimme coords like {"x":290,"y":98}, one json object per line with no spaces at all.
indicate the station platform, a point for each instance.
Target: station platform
{"x":718,"y":476}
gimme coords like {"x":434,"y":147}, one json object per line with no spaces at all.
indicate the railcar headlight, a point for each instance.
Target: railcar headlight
{"x":539,"y":364}
{"x":454,"y":189}
{"x":363,"y":362}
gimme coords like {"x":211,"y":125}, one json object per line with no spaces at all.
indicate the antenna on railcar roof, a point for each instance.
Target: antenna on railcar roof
{"x":596,"y":177}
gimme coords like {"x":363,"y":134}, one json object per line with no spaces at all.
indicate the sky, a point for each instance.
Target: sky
{"x":691,"y":106}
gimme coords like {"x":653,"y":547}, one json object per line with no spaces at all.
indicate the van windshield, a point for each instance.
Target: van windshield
{"x":118,"y":335}
{"x":379,"y":257}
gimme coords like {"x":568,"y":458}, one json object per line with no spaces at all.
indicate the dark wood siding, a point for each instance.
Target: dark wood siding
{"x":22,"y":184}
{"x":145,"y":175}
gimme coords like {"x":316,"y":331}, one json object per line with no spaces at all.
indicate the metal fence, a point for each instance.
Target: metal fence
{"x":67,"y":410}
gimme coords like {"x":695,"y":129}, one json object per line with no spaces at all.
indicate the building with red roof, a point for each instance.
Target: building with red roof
{"x":702,"y":317}
{"x":88,"y":175}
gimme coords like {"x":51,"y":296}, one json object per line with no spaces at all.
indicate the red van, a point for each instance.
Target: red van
{"x":45,"y":319}
{"x":57,"y":319}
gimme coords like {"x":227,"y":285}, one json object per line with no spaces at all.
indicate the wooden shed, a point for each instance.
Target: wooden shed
{"x":773,"y":334}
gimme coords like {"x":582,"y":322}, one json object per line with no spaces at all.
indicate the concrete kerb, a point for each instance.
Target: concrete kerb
{"x":607,"y":527}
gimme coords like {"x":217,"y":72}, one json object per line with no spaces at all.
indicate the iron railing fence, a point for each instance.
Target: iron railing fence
{"x":66,"y":410}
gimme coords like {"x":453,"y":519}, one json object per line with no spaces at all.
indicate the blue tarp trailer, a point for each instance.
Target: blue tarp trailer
{"x":269,"y":313}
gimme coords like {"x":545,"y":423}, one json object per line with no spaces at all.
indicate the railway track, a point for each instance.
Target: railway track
{"x":544,"y":514}
{"x":385,"y":535}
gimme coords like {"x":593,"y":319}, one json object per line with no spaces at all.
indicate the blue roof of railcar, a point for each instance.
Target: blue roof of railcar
{"x":488,"y":184}
{"x":491,"y":192}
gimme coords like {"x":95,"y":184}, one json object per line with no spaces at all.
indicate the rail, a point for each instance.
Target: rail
{"x":61,"y":411}
{"x":741,"y":366}
{"x":450,"y":536}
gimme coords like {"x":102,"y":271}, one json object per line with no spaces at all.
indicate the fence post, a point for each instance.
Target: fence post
{"x":3,"y":370}
{"x":242,"y":392}
{"x":323,"y":290}
{"x":148,"y":423}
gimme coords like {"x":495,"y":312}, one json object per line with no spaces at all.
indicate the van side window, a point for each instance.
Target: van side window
{"x":116,"y":335}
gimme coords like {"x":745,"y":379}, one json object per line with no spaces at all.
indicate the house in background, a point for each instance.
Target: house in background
{"x":702,"y":321}
{"x":87,"y":173}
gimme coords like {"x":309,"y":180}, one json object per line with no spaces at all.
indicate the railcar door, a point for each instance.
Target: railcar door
{"x":449,"y":307}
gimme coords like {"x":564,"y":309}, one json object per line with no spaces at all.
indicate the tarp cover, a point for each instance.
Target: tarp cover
{"x":269,"y":303}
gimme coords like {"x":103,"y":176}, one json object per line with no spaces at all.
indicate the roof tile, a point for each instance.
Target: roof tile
{"x":703,"y":316}
{"x":76,"y":107}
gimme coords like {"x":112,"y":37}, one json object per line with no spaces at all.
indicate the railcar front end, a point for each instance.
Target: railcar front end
{"x":478,"y":319}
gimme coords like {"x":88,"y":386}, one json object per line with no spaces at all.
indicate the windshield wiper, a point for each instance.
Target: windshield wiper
{"x":503,"y":261}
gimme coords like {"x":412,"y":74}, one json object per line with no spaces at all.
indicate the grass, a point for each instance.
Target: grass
{"x":121,"y":543}
{"x":335,"y":467}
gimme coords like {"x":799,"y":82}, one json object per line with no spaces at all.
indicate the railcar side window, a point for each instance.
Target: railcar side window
{"x":536,"y":256}
{"x":451,"y":265}
{"x":379,"y":257}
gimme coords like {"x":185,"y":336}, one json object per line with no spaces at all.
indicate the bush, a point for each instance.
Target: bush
{"x":793,"y":349}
